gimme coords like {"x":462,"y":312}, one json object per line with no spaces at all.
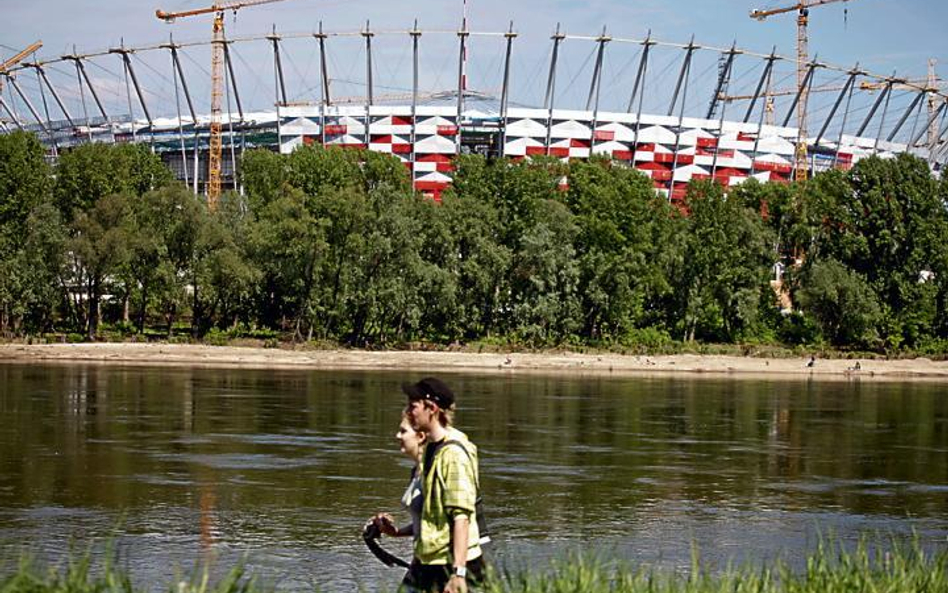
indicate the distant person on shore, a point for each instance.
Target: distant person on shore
{"x":448,"y":554}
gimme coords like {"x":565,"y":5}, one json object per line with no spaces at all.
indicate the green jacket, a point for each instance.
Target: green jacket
{"x":450,"y":490}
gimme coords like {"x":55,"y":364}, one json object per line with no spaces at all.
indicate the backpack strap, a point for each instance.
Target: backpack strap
{"x":479,"y":502}
{"x":460,"y":445}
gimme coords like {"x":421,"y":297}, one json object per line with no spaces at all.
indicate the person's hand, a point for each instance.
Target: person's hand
{"x":386,"y":524}
{"x":456,"y":584}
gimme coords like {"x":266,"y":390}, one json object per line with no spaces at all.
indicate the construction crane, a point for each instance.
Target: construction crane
{"x":217,"y":83}
{"x":803,"y":19}
{"x":931,"y":85}
{"x":19,"y":57}
{"x":769,"y":98}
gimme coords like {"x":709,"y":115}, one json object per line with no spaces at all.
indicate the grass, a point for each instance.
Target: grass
{"x":903,"y":568}
{"x":77,"y":576}
{"x":897,"y":568}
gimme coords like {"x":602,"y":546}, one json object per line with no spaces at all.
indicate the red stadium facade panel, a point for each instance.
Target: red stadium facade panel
{"x":672,"y":151}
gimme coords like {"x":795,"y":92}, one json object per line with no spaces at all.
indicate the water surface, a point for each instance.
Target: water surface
{"x":179,"y":465}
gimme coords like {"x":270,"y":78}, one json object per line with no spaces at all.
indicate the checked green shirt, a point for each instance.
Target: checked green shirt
{"x":449,"y":490}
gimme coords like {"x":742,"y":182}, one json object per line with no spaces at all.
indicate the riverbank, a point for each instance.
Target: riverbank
{"x":446,"y":361}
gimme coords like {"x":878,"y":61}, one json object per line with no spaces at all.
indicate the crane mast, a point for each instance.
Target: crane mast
{"x":217,"y":85}
{"x":215,"y":150}
{"x":803,"y":53}
{"x":803,"y":20}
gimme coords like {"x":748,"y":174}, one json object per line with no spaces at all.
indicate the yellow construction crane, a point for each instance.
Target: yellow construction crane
{"x":803,"y":19}
{"x":769,"y":98}
{"x":931,"y":85}
{"x":20,"y":56}
{"x":217,"y":83}
{"x":33,"y":47}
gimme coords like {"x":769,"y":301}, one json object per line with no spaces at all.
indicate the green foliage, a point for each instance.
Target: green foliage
{"x":77,"y":575}
{"x":627,"y":247}
{"x":89,"y":172}
{"x":471,"y":267}
{"x":647,"y":339}
{"x":895,"y":566}
{"x":545,"y":276}
{"x":886,"y":222}
{"x":842,"y":303}
{"x":30,"y":288}
{"x":724,"y":266}
{"x":29,"y":233}
{"x":799,"y":329}
{"x":98,"y":244}
{"x":332,"y":245}
{"x":25,"y":180}
{"x":263,"y":174}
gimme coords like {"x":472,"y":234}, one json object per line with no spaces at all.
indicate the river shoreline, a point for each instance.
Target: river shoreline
{"x":145,"y":354}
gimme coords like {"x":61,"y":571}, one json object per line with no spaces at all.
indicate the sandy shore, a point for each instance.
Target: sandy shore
{"x":231,"y":357}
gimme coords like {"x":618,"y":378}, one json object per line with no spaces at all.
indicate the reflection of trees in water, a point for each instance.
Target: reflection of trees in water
{"x":726,"y":441}
{"x":215,"y":444}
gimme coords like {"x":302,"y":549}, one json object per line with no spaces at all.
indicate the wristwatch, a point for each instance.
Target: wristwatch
{"x":460,"y":571}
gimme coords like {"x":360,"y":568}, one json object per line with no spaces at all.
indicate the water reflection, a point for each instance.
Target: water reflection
{"x":196,"y":464}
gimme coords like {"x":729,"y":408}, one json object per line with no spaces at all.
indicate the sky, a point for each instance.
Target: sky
{"x":882,"y":35}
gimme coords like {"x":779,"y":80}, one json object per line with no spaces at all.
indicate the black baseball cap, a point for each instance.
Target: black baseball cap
{"x":430,"y":389}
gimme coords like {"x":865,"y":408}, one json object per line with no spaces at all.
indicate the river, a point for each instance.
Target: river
{"x":176,"y":466}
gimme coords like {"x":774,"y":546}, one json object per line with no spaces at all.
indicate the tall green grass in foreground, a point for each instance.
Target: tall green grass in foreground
{"x":899,"y":568}
{"x":77,"y":576}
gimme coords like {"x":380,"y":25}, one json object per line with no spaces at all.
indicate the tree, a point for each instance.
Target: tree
{"x":888,"y":225}
{"x":725,"y":266}
{"x":463,"y":239}
{"x":288,"y":245}
{"x":545,"y":277}
{"x":222,"y":276}
{"x":89,"y":172}
{"x":34,"y":274}
{"x":99,"y":248}
{"x":25,"y":180}
{"x":626,"y":247}
{"x":842,"y":303}
{"x":515,"y":189}
{"x":147,"y":263}
{"x":25,"y":185}
{"x":263,"y":174}
{"x":387,"y":297}
{"x":175,"y":220}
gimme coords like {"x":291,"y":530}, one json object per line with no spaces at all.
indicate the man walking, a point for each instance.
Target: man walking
{"x":447,"y":551}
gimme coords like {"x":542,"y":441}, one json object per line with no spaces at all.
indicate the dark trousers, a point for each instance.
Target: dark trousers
{"x":428,"y":578}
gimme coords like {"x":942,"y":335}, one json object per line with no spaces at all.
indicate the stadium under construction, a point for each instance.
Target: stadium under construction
{"x":677,"y":111}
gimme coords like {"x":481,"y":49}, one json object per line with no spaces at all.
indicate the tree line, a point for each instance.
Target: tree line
{"x":333,"y":244}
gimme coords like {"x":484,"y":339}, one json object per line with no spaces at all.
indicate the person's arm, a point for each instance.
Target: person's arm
{"x":459,"y":537}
